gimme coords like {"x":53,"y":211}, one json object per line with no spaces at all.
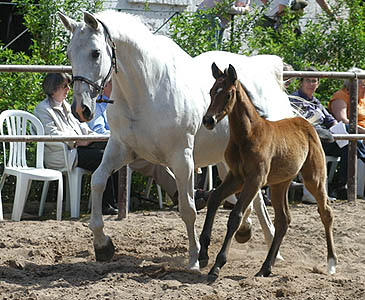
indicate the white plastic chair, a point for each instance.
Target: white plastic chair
{"x":360,"y":178}
{"x":333,"y":160}
{"x":73,"y":178}
{"x":16,"y":122}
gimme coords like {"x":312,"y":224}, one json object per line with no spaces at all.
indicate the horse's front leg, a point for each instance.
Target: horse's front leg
{"x":113,"y":159}
{"x":229,"y":186}
{"x":250,"y":188}
{"x":265,"y":221}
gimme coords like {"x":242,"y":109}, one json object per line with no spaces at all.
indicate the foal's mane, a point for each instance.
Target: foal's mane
{"x":259,"y":110}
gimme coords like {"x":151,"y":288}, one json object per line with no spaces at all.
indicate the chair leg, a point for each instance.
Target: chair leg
{"x":68,"y":192}
{"x":75,"y":193}
{"x":20,"y":197}
{"x":360,"y":178}
{"x":1,"y":209}
{"x":159,"y":196}
{"x":43,"y":198}
{"x":129,"y":185}
{"x":59,"y":199}
{"x":208,"y":183}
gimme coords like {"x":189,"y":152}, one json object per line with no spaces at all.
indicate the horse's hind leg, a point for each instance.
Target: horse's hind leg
{"x":235,"y":218}
{"x":229,"y":186}
{"x":315,"y":181}
{"x":279,"y":201}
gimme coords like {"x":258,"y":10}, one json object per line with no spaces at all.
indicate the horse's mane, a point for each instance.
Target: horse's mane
{"x":132,"y":28}
{"x":117,"y":21}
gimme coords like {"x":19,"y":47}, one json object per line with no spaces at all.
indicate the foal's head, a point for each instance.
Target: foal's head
{"x":222,"y":94}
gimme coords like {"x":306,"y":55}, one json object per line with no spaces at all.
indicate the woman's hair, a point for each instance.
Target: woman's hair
{"x":346,"y":82}
{"x":53,"y":81}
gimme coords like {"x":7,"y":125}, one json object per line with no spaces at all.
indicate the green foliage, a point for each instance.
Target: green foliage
{"x":326,"y":43}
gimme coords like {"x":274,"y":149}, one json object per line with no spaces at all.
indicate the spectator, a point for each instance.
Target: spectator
{"x":57,"y":119}
{"x":162,"y":175}
{"x":220,"y":23}
{"x":339,"y":104}
{"x":274,"y":11}
{"x":311,"y":108}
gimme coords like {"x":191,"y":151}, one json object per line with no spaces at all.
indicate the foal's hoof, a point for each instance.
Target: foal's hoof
{"x":203,"y":260}
{"x":244,"y":235}
{"x":213,"y":274}
{"x":105,"y":253}
{"x":263,"y":273}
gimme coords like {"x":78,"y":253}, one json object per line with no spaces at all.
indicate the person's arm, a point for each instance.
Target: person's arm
{"x":339,"y":111}
{"x":99,"y":123}
{"x":324,"y":5}
{"x":280,"y":10}
{"x":49,"y":124}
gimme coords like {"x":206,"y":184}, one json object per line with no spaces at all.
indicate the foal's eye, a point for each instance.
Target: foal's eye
{"x":95,"y":53}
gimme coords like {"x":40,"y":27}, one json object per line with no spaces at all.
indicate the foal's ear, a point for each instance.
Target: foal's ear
{"x":232,"y":73}
{"x":216,"y":71}
{"x":69,"y":23}
{"x":90,"y":20}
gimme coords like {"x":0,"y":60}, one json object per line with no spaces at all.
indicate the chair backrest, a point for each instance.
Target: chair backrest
{"x":18,"y":122}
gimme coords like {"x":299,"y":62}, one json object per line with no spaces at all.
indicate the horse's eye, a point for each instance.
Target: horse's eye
{"x":95,"y":53}
{"x":228,"y":96}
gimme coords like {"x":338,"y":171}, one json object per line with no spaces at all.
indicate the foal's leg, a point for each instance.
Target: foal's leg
{"x":250,"y":188}
{"x":279,"y":201}
{"x":113,"y":159}
{"x":315,"y":182}
{"x":229,"y":186}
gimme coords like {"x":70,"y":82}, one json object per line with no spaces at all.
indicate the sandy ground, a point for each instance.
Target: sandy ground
{"x":55,"y":260}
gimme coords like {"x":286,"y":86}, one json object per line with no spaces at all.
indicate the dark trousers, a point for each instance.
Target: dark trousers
{"x":89,"y":158}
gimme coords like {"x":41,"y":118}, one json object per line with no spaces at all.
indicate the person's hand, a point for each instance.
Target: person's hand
{"x":83,"y":143}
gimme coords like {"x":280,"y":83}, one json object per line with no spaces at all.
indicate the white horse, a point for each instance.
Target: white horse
{"x":160,"y":96}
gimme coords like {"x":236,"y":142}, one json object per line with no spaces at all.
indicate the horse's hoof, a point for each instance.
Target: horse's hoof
{"x":105,"y":253}
{"x":213,"y":274}
{"x":244,"y":236}
{"x":263,"y":273}
{"x":203,"y":260}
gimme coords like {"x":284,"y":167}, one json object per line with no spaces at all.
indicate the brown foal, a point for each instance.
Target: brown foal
{"x":262,"y":152}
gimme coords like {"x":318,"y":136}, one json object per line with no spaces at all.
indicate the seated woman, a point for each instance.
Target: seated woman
{"x":311,"y":108}
{"x":55,"y":114}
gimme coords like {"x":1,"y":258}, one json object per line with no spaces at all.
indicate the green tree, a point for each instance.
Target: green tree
{"x":325,"y":43}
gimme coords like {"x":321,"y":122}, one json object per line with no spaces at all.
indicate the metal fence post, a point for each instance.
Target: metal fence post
{"x":352,"y":152}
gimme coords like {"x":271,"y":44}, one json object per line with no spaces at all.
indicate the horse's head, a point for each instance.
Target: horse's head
{"x":91,"y":55}
{"x":222,"y":94}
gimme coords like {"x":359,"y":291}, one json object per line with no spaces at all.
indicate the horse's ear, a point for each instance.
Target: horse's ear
{"x":69,"y":23}
{"x":216,"y":71}
{"x":232,"y":73}
{"x":90,"y":20}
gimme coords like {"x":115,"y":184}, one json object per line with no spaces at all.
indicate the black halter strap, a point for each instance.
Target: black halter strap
{"x":113,"y":66}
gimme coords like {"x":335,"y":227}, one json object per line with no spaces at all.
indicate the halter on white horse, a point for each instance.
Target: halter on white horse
{"x":161,"y":95}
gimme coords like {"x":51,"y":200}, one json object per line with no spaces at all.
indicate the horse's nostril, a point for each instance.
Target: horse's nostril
{"x":87,"y":113}
{"x":208,"y":121}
